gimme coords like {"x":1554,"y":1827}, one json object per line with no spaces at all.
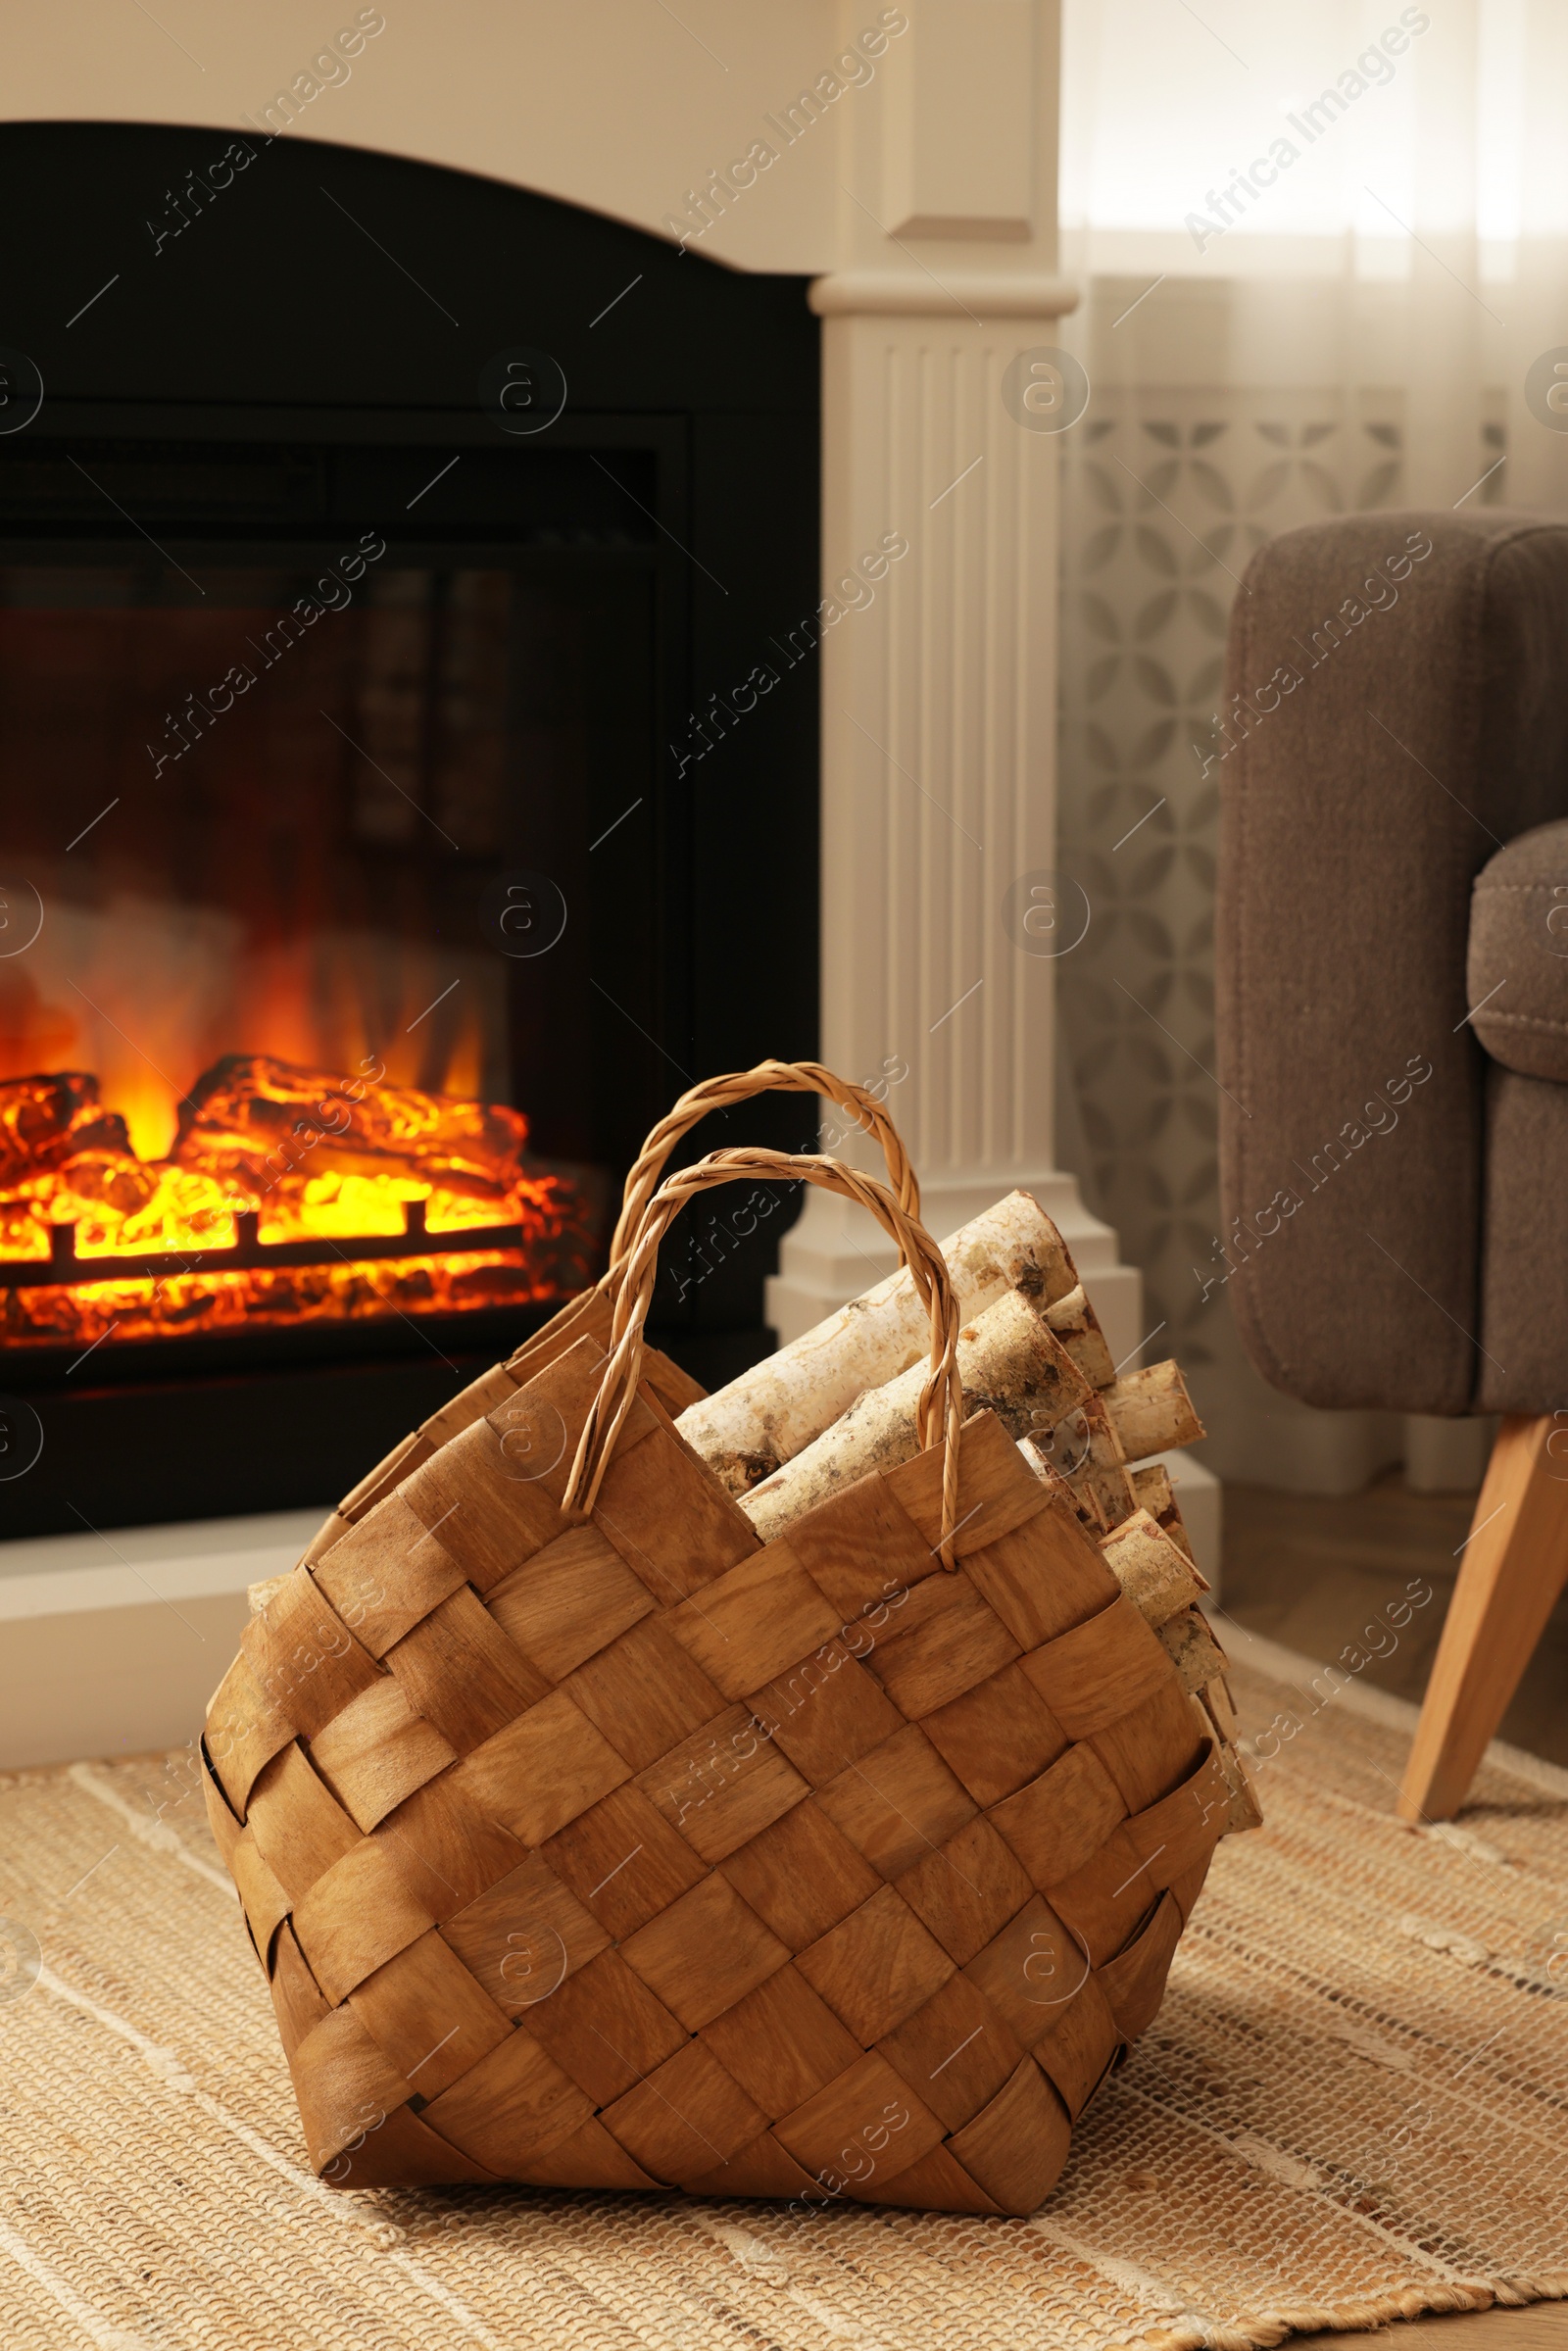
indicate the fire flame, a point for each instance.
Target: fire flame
{"x":312,"y":1158}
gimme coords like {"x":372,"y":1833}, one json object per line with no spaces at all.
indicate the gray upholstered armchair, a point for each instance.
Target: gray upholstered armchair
{"x":1394,"y":1028}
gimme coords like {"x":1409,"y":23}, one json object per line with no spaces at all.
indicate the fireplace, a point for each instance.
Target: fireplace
{"x":387,"y":848}
{"x":266,"y":1065}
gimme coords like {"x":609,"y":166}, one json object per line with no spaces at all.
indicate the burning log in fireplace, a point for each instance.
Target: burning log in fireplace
{"x":289,"y":1195}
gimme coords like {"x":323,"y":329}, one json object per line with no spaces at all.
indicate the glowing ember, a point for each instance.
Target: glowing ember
{"x":271,"y":1158}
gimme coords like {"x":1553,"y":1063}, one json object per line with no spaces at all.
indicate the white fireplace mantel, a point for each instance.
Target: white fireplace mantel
{"x":905,"y":157}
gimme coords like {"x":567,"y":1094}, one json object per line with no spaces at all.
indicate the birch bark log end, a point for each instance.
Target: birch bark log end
{"x":773,"y":1411}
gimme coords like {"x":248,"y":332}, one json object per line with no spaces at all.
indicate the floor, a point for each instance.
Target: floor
{"x":1318,"y":1574}
{"x":1542,"y":2328}
{"x":1331,"y":1576}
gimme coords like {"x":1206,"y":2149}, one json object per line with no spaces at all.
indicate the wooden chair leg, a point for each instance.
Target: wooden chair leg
{"x":1514,"y":1568}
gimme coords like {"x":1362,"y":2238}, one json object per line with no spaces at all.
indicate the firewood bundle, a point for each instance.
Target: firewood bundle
{"x":796,"y":1792}
{"x":841,"y":1402}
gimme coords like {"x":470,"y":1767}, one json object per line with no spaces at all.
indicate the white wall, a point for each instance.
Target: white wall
{"x":623,"y":106}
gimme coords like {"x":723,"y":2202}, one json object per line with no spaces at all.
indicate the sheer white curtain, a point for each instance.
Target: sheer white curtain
{"x":1322,"y":247}
{"x":1407,"y":227}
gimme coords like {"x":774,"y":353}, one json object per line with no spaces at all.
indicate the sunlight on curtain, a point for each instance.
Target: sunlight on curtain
{"x":1320,"y":247}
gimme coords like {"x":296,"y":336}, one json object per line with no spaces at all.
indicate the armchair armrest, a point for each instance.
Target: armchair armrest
{"x":1517,"y":978}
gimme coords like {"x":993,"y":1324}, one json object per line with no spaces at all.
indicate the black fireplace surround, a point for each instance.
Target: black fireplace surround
{"x":582,"y":470}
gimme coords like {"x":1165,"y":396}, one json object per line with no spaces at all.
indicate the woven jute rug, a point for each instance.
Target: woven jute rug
{"x":1351,"y":2108}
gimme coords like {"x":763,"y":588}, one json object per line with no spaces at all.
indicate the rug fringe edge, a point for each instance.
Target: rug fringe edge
{"x":1270,"y":2328}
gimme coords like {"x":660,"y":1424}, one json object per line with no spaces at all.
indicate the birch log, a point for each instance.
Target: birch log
{"x":1153,"y":1487}
{"x":1153,"y":1492}
{"x":771,"y":1413}
{"x":1077,"y":1326}
{"x":1082,"y":1505}
{"x":1095,"y":1466}
{"x":1153,"y":1571}
{"x":1151,"y":1413}
{"x":1156,"y":1572}
{"x":1192,"y":1649}
{"x":1008,"y":1360}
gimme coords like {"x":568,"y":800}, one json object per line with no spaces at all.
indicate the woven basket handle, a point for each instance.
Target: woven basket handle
{"x":940,"y":1412}
{"x":767,"y":1077}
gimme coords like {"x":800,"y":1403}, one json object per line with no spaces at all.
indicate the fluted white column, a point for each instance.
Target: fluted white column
{"x":937,"y":763}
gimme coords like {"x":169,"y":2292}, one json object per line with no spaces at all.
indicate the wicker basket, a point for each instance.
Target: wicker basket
{"x":589,"y":1842}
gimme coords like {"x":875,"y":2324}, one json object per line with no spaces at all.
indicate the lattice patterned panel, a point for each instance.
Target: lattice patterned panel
{"x":1168,"y":493}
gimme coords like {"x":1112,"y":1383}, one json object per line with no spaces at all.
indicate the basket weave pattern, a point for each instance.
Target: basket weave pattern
{"x":632,"y":1852}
